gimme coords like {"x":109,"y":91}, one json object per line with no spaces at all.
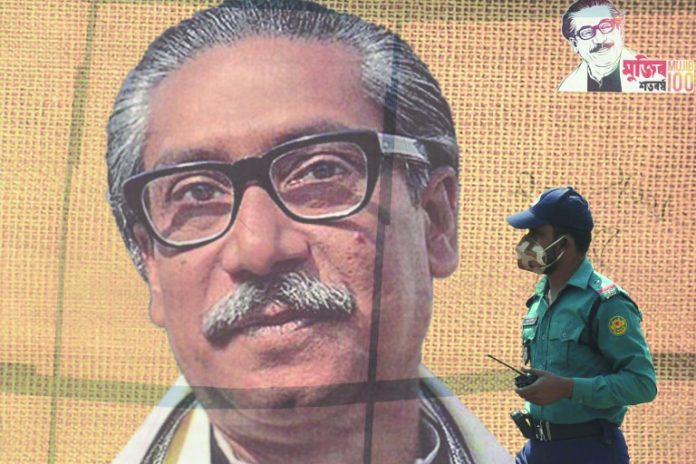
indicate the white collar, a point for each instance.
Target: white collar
{"x":481,"y":444}
{"x":429,"y":437}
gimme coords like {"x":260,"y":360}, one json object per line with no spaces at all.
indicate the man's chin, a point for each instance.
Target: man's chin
{"x":607,"y":59}
{"x":305,"y":372}
{"x":279,"y":398}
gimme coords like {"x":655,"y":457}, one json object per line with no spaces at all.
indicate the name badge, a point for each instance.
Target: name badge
{"x":529,"y":321}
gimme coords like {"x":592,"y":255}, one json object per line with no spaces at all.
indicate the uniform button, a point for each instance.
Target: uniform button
{"x":563,"y":334}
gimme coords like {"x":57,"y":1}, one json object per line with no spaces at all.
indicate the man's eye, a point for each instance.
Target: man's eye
{"x":320,"y":170}
{"x":196,"y":192}
{"x":325,"y":170}
{"x":605,"y":26}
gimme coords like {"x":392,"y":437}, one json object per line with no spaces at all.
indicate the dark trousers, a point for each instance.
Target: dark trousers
{"x":607,"y":449}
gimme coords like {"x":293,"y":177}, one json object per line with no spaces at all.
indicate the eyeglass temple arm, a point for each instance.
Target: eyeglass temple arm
{"x":403,"y":146}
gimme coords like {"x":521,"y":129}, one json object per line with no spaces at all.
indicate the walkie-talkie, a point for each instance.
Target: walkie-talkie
{"x":522,"y":380}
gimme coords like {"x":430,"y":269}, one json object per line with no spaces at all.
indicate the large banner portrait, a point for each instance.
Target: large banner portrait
{"x":272,"y":231}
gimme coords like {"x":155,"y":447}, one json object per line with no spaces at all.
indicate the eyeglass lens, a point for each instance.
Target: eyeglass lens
{"x":605,"y":27}
{"x":316,"y":181}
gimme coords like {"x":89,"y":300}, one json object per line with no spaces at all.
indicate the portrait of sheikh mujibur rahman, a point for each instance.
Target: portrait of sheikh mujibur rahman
{"x":266,"y":160}
{"x":594,"y":30}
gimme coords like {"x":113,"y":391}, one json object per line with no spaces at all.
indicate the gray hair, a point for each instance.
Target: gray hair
{"x":422,"y":112}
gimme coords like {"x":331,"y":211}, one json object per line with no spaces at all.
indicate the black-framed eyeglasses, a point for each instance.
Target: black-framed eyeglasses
{"x":605,"y":26}
{"x":313,"y":179}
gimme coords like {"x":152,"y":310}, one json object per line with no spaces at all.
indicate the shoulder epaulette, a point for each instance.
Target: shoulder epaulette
{"x":608,"y":291}
{"x":605,"y":287}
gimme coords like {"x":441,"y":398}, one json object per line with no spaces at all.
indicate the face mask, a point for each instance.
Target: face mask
{"x":533,"y":257}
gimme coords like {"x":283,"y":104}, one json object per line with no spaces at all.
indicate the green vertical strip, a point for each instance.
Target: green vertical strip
{"x":77,"y":123}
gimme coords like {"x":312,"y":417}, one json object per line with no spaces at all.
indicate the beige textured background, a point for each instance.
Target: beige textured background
{"x":80,"y":364}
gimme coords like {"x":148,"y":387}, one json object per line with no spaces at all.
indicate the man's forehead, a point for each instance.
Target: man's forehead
{"x":213,"y":153}
{"x":292,"y":61}
{"x":591,"y":16}
{"x":246,"y":97}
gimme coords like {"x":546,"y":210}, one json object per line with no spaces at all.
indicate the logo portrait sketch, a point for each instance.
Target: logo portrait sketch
{"x":595,"y":30}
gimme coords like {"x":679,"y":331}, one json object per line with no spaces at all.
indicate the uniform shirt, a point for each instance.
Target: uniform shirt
{"x":606,"y":380}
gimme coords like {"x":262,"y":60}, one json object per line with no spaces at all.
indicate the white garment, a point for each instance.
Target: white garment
{"x":576,"y":81}
{"x":195,"y":444}
{"x":433,"y":441}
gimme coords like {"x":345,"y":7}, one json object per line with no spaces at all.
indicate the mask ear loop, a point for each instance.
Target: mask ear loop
{"x":555,"y":242}
{"x":559,"y":254}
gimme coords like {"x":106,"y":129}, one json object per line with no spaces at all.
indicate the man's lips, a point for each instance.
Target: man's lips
{"x":272,"y":317}
{"x":275,"y":317}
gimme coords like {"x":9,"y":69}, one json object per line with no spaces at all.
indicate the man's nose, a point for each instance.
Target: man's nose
{"x":599,"y":37}
{"x":262,"y":238}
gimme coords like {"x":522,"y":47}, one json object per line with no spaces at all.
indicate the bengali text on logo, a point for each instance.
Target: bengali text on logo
{"x":670,"y":76}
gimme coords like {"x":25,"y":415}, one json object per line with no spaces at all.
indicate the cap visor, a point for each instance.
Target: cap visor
{"x":525,"y":220}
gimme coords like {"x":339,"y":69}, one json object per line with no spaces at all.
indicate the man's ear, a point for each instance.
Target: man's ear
{"x":147,"y":255}
{"x":569,"y":244}
{"x":573,"y":44}
{"x":439,"y":201}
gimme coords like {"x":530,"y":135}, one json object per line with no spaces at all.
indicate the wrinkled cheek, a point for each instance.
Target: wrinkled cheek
{"x":359,"y":238}
{"x":193,"y":357}
{"x":181,"y":349}
{"x":186,"y":280}
{"x":184,"y":302}
{"x":357,"y":263}
{"x":407,"y":289}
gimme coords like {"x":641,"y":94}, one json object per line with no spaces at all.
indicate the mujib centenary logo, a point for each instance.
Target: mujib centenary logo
{"x":594,"y":30}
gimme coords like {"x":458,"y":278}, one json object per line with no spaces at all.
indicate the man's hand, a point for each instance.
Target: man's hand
{"x":548,"y":388}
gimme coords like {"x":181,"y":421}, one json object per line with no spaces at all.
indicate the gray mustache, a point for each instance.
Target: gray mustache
{"x":299,"y":291}
{"x":601,"y":46}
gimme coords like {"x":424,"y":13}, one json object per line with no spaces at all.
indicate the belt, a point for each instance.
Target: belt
{"x":548,"y":431}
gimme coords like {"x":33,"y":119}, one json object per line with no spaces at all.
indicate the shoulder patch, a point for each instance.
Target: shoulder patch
{"x":618,"y":325}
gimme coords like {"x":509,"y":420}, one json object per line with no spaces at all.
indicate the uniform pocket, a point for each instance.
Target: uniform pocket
{"x":563,"y":338}
{"x":565,"y":332}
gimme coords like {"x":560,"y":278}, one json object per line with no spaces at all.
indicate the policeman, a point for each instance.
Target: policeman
{"x":581,"y":335}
